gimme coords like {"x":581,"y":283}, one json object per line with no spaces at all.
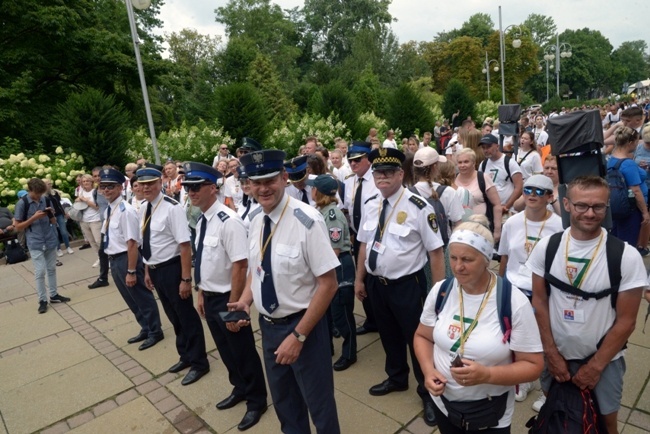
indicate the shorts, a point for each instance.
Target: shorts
{"x":608,"y":391}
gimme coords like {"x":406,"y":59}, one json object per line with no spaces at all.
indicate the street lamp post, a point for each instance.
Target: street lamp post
{"x":486,"y":70}
{"x":540,"y":68}
{"x":516,"y":43}
{"x":142,"y":4}
{"x":556,"y":52}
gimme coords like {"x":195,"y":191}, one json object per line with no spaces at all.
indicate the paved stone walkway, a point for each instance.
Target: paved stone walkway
{"x":71,"y":370}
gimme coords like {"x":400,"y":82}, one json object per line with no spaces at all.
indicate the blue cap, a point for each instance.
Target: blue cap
{"x":325,"y":184}
{"x":263,"y":164}
{"x":296,"y":168}
{"x":242,"y":172}
{"x":199,"y":173}
{"x":489,"y":139}
{"x":21,"y":193}
{"x":386,"y":158}
{"x":250,"y":144}
{"x":148,"y":174}
{"x":359,"y":149}
{"x":111,"y":176}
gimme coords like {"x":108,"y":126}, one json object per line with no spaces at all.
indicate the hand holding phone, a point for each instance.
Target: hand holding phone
{"x":457,"y":362}
{"x":234,"y":316}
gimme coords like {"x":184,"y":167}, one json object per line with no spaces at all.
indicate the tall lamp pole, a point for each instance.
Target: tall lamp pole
{"x":142,"y":4}
{"x":486,"y":70}
{"x":556,"y":52}
{"x":540,"y":68}
{"x":516,"y":43}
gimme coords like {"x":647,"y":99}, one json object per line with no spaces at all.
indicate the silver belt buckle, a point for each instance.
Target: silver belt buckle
{"x":383,"y":280}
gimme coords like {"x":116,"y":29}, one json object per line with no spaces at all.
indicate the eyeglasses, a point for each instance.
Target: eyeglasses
{"x":384,"y":173}
{"x":580,"y":207}
{"x":109,"y":187}
{"x":193,"y":187}
{"x":224,"y":149}
{"x":538,"y":191}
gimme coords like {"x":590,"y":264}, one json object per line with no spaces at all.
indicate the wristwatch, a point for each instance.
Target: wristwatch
{"x":187,"y":280}
{"x":301,"y":338}
{"x":131,"y":272}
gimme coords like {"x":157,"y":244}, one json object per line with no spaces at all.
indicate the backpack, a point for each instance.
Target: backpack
{"x":441,"y":214}
{"x":620,"y":203}
{"x":14,"y":252}
{"x":489,"y":210}
{"x":613,"y":249}
{"x":504,"y":303}
{"x":506,"y":163}
{"x":48,"y":204}
{"x":568,"y":410}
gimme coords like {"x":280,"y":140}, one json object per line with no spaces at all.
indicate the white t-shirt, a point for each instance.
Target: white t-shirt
{"x":497,"y":170}
{"x":578,"y":325}
{"x":485,"y":344}
{"x":541,"y":136}
{"x":232,"y":188}
{"x":453,"y":149}
{"x":342,"y":172}
{"x":453,"y":207}
{"x":90,"y":214}
{"x":518,"y":240}
{"x":389,"y":144}
{"x":530,"y":163}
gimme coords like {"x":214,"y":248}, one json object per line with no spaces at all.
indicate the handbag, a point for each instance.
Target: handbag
{"x":476,"y":415}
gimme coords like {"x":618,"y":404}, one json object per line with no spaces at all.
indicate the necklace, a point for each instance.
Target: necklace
{"x":268,"y":240}
{"x":146,"y":222}
{"x":465,"y":335}
{"x":528,"y":248}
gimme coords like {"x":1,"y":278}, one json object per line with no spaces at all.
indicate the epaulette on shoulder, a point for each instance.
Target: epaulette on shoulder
{"x":223,"y":216}
{"x":122,"y":206}
{"x":253,"y":213}
{"x":418,"y":201}
{"x":303,"y":218}
{"x":171,"y":200}
{"x":350,"y":175}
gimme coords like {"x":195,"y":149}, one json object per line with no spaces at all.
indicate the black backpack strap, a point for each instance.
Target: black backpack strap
{"x":443,"y":294}
{"x":504,"y":307}
{"x":480,"y":177}
{"x":614,"y":249}
{"x":440,"y":190}
{"x":25,"y":207}
{"x":551,"y":251}
{"x":506,"y":163}
{"x":483,"y":165}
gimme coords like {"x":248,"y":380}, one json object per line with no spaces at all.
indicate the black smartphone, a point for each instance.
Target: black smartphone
{"x":49,"y":212}
{"x":457,"y":362}
{"x":234,"y":316}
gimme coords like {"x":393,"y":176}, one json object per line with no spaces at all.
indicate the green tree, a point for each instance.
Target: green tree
{"x":542,"y":28}
{"x":366,"y":90}
{"x":339,"y":100}
{"x":630,"y":56}
{"x":265,"y":78}
{"x":478,"y":26}
{"x":233,"y":63}
{"x":409,"y":112}
{"x":94,"y":125}
{"x":457,"y":99}
{"x":241,"y":112}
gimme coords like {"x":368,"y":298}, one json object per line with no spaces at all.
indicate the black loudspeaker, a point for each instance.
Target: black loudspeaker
{"x":509,"y":115}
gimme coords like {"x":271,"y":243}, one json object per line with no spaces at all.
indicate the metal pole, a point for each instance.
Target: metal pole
{"x":487,"y":69}
{"x":557,"y":62}
{"x":503,"y":59}
{"x":546,"y":61}
{"x":143,"y":83}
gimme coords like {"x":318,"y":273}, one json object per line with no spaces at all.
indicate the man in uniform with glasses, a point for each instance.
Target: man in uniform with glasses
{"x":575,"y":325}
{"x":167,"y":256}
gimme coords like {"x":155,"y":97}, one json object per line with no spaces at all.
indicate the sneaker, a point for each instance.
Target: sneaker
{"x":58,"y":298}
{"x":643,"y":251}
{"x":537,"y":405}
{"x":70,"y":251}
{"x":522,"y":391}
{"x":96,"y":264}
{"x":85,"y":246}
{"x":59,"y":252}
{"x":42,"y":306}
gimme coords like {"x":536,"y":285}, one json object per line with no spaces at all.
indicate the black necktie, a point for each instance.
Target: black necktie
{"x":305,"y":199}
{"x":248,"y":208}
{"x":356,"y":210}
{"x":146,"y":235}
{"x":372,"y":258}
{"x":199,"y":250}
{"x":269,"y":297}
{"x":108,"y":222}
{"x":244,"y":199}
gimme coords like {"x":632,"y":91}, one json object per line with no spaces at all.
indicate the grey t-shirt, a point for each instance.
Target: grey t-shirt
{"x":41,"y":235}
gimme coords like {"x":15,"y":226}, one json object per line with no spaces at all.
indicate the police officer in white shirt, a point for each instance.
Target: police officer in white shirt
{"x":292,"y":280}
{"x":121,"y":230}
{"x":167,"y":256}
{"x":298,"y":188}
{"x":220,"y":275}
{"x":393,"y":255}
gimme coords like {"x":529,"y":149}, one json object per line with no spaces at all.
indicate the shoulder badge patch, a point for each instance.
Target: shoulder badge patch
{"x":336,"y":234}
{"x":254,"y":213}
{"x":303,"y":218}
{"x":332,"y":214}
{"x":122,"y":206}
{"x":170,"y":200}
{"x":418,"y":201}
{"x":349,"y":176}
{"x":432,"y":220}
{"x":223,"y":216}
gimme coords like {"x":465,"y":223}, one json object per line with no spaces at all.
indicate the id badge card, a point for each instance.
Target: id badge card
{"x":573,"y":315}
{"x":378,"y":247}
{"x":259,"y":271}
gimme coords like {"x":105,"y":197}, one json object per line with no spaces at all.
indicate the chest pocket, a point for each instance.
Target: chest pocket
{"x":398,"y":230}
{"x":210,"y":245}
{"x":286,"y":259}
{"x":158,"y":225}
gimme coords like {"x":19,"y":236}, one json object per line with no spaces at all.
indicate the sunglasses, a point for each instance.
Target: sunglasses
{"x":109,"y":187}
{"x":193,"y":187}
{"x":538,"y":191}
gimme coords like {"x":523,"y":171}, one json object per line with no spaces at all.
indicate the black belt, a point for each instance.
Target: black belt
{"x":171,"y":261}
{"x":117,"y":255}
{"x":283,"y":320}
{"x":386,"y":282}
{"x":212,"y":293}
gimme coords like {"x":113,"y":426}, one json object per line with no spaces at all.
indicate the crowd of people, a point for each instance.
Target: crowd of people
{"x":410,"y":233}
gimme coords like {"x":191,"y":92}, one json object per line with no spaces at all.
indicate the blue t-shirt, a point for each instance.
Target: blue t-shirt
{"x":41,"y":235}
{"x":632,"y":173}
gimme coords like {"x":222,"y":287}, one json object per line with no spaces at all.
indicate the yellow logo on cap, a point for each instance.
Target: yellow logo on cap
{"x":382,"y":152}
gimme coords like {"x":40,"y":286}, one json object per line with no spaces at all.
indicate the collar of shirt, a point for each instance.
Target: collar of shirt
{"x":115,"y":203}
{"x":277,"y":211}
{"x":392,"y":200}
{"x":216,"y":207}
{"x":155,"y":202}
{"x":367,"y":176}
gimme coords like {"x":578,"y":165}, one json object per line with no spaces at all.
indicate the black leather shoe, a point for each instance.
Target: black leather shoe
{"x":98,"y":284}
{"x":429,"y":415}
{"x":85,"y":246}
{"x":365,"y":330}
{"x":193,"y":376}
{"x":178,"y":367}
{"x":386,"y":387}
{"x":230,"y":402}
{"x":151,"y":341}
{"x":139,"y":338}
{"x":250,"y":419}
{"x":343,"y":363}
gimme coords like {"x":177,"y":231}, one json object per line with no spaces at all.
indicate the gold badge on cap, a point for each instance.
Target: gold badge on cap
{"x":401,"y":217}
{"x":382,"y":152}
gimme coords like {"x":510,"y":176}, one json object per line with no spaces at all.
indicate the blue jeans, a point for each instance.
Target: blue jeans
{"x":44,"y":263}
{"x":60,"y":220}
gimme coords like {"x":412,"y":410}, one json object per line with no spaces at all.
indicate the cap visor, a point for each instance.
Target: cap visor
{"x":264,"y":176}
{"x":142,"y":179}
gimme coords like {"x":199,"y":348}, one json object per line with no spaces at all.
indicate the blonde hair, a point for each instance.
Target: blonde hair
{"x":469,"y":152}
{"x":322,"y":200}
{"x":446,"y":173}
{"x":625,"y":136}
{"x":645,"y":133}
{"x":479,"y":224}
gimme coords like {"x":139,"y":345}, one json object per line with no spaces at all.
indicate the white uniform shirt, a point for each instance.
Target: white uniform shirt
{"x":169,"y":228}
{"x":224,"y":243}
{"x":453,"y":207}
{"x":252,"y":208}
{"x":297,"y":194}
{"x":232,"y":189}
{"x":578,"y":325}
{"x":298,"y":255}
{"x":123,"y":226}
{"x":342,"y":173}
{"x":518,"y":240}
{"x":370,"y":197}
{"x":485,"y":343}
{"x":407,"y":235}
{"x":497,"y":170}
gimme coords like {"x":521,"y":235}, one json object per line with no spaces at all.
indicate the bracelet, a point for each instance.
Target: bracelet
{"x":186,"y":280}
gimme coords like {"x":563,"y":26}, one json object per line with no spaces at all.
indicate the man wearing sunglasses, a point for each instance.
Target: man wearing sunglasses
{"x":223,"y":154}
{"x":121,"y":235}
{"x":575,"y":325}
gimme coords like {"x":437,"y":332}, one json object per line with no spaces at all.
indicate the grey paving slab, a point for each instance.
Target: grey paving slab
{"x":638,"y":337}
{"x":21,"y":324}
{"x":49,"y":399}
{"x":102,"y":306}
{"x":636,"y":374}
{"x":14,"y":284}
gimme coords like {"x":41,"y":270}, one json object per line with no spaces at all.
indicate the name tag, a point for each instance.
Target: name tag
{"x":573,"y":315}
{"x":378,"y":247}
{"x":259,"y":271}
